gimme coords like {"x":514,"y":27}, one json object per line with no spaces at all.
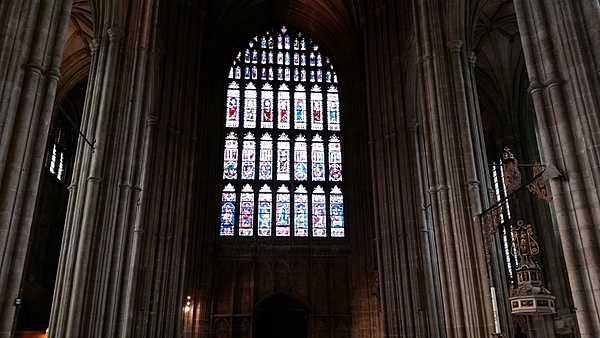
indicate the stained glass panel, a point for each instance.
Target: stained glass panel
{"x":248,"y":157}
{"x":300,"y":212}
{"x":333,"y":114}
{"x":283,"y":212}
{"x":246,"y":211}
{"x":283,"y":104}
{"x":267,"y":104}
{"x":335,"y":159}
{"x":316,"y":106}
{"x":232,"y":112}
{"x":265,"y":200}
{"x":266,"y":157}
{"x":319,"y":219}
{"x":318,"y":159}
{"x":230,"y":157}
{"x":283,"y":158}
{"x":300,"y":159}
{"x":227,"y":211}
{"x":300,"y":108}
{"x":336,"y":212}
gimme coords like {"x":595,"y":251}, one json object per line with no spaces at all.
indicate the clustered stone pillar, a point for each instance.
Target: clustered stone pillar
{"x":32,"y":37}
{"x":121,"y":262}
{"x":403,"y":295}
{"x":454,"y":167}
{"x":561,"y":47}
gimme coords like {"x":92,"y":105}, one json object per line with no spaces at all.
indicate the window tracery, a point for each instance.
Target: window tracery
{"x":282,"y":160}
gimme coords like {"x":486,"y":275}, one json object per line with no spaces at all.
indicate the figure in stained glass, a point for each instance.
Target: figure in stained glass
{"x":316,"y":102}
{"x":319,"y":218}
{"x":246,"y":225}
{"x":283,"y":102}
{"x":265,"y":199}
{"x":283,"y":158}
{"x":282,"y":221}
{"x":300,"y":159}
{"x":318,"y":159}
{"x":266,"y":157}
{"x":227,"y":211}
{"x":248,"y":157}
{"x":300,"y":212}
{"x":336,"y":212}
{"x":230,"y":157}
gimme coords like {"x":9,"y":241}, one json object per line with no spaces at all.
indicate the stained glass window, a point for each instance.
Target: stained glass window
{"x":248,"y":157}
{"x":250,"y":106}
{"x":283,"y":108}
{"x":227,"y":211}
{"x":300,"y":159}
{"x":335,"y":159}
{"x":246,"y":211}
{"x":265,"y":198}
{"x":232,"y":111}
{"x":333,"y":117}
{"x":300,"y":108}
{"x":318,"y":159}
{"x":316,"y":103}
{"x":336,"y":212}
{"x":266,"y":157}
{"x":230,"y":157}
{"x":282,"y":159}
{"x":319,"y":218}
{"x":301,"y":212}
{"x":283,"y":212}
{"x":267,"y":106}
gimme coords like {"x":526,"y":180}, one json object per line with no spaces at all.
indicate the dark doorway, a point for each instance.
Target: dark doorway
{"x":281,"y":316}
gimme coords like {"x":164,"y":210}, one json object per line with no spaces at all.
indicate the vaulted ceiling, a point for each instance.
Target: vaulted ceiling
{"x":77,"y":56}
{"x":500,"y":70}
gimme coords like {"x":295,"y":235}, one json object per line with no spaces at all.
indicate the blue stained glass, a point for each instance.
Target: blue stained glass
{"x":300,"y":108}
{"x":283,"y":212}
{"x":246,"y":211}
{"x":336,"y":212}
{"x":333,"y":113}
{"x":319,"y":218}
{"x":227,"y":211}
{"x":230,"y":157}
{"x":265,"y":199}
{"x":301,"y":212}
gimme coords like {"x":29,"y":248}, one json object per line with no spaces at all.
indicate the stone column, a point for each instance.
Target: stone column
{"x":396,"y":220}
{"x":455,"y":171}
{"x":32,"y":37}
{"x":561,"y":52}
{"x":111,"y":221}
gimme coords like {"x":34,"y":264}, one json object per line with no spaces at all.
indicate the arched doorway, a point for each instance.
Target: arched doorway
{"x":281,"y":316}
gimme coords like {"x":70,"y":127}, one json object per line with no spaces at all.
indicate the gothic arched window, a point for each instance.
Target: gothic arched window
{"x":282,"y":164}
